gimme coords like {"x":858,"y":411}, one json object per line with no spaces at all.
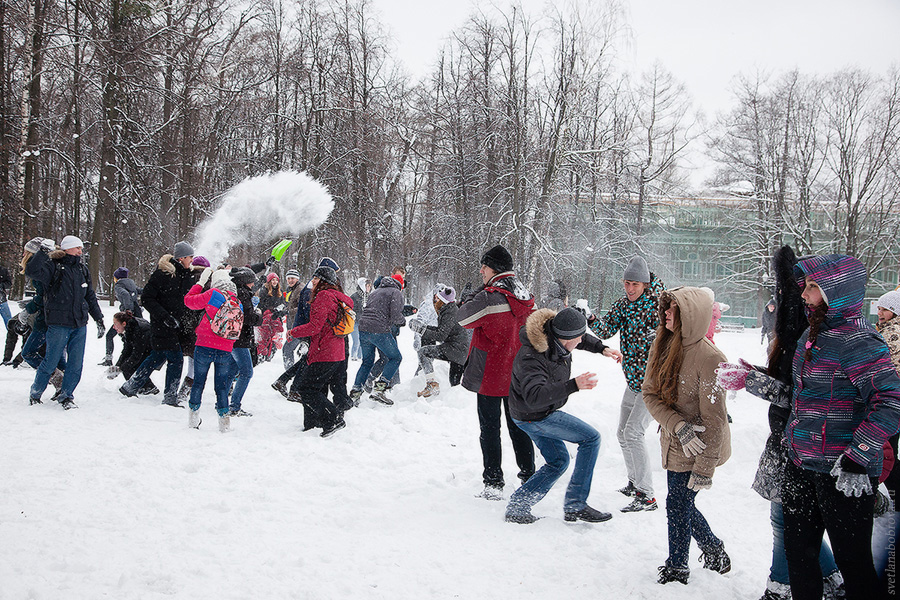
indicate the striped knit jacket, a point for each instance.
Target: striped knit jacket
{"x":847,"y":396}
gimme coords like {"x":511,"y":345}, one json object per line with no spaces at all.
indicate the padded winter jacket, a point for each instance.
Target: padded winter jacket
{"x":163,"y":296}
{"x":634,"y":322}
{"x":324,"y":345}
{"x":252,"y":318}
{"x":452,"y":337}
{"x":209,"y":301}
{"x":495,"y":314}
{"x":699,"y":400}
{"x":890,"y":331}
{"x":847,"y":397}
{"x":127,"y":296}
{"x":541,"y":374}
{"x":68,"y":291}
{"x":384,"y":308}
{"x":136,"y":347}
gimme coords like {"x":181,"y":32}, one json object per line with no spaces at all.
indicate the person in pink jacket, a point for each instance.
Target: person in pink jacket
{"x":211,"y":348}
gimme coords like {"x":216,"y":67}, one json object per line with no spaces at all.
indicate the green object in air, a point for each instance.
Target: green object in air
{"x":280,"y":248}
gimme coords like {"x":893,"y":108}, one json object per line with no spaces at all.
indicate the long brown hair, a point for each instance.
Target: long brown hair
{"x":324,"y":285}
{"x":666,"y":361}
{"x":816,"y":318}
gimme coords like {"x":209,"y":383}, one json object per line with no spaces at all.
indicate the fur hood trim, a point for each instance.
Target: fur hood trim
{"x":57,"y":254}
{"x":166,"y":265}
{"x":536,"y":328}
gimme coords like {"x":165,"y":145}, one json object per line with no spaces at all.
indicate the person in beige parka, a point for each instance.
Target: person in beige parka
{"x":680,"y":392}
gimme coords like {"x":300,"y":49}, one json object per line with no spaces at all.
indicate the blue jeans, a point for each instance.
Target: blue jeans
{"x":242,"y":367}
{"x":355,"y":347}
{"x":779,"y":571}
{"x":388,"y":346}
{"x":548,"y":435}
{"x":31,"y":350}
{"x":4,"y":312}
{"x":69,"y":340}
{"x":155,"y":360}
{"x":204,"y":358}
{"x":685,"y":521}
{"x":287,"y":352}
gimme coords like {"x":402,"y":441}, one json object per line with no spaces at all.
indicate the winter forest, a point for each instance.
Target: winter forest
{"x":124,"y":121}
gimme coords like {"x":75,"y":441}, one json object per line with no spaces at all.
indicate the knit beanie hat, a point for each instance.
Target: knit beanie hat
{"x":361,"y":283}
{"x":272,"y":276}
{"x":890,"y":301}
{"x":200,"y":261}
{"x":637,"y":270}
{"x":182,"y":249}
{"x":242,"y":275}
{"x":121,"y":273}
{"x":326,"y":274}
{"x":399,"y":279}
{"x":329,"y":262}
{"x":33,"y":245}
{"x":221,"y":280}
{"x":69,"y":242}
{"x":568,"y":324}
{"x":446,"y":293}
{"x":499,"y":259}
{"x":292,"y":273}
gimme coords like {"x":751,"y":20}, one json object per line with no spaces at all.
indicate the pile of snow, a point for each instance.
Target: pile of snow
{"x":120,"y":499}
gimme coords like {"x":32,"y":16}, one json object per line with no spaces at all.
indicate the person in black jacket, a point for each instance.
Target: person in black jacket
{"x":540,"y":387}
{"x":69,"y":298}
{"x":126,"y":293}
{"x":243,"y":355}
{"x":170,"y":321}
{"x":135,"y":332}
{"x":447,"y":341}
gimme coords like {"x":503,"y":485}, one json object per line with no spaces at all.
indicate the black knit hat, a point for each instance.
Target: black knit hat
{"x":498,"y":258}
{"x":242,"y":275}
{"x":326,"y":274}
{"x":568,"y":324}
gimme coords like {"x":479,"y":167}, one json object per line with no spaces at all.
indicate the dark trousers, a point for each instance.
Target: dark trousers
{"x":110,"y":338}
{"x":491,"y":451}
{"x":12,"y":338}
{"x":318,"y":411}
{"x":685,"y":521}
{"x":813,"y":505}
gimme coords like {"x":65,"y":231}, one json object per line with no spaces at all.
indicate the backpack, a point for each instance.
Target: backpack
{"x":346,"y":320}
{"x":228,"y":320}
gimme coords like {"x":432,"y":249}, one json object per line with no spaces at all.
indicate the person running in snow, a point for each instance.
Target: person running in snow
{"x":446,"y":340}
{"x":360,"y":297}
{"x":135,"y":332}
{"x":680,"y":392}
{"x":291,"y":299}
{"x":383,"y":310}
{"x":69,"y":298}
{"x":846,"y":404}
{"x":17,"y":330}
{"x":540,"y":387}
{"x":496,"y":312}
{"x":635,"y":318}
{"x":243,"y":353}
{"x":272,"y":306}
{"x":126,"y":293}
{"x":212,"y":348}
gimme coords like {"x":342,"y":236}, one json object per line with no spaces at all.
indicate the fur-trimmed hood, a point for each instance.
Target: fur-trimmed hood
{"x":167,"y":264}
{"x":535,"y":331}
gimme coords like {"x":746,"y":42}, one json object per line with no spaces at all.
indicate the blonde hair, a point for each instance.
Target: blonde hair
{"x":25,"y":258}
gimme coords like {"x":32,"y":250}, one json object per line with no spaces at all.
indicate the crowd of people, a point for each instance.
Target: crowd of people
{"x":831,"y":381}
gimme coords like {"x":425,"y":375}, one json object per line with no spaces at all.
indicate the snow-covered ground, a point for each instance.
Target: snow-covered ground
{"x":120,"y":499}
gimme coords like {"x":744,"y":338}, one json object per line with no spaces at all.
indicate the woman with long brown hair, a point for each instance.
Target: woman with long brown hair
{"x":680,"y":392}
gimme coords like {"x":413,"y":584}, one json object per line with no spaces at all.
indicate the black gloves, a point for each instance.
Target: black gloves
{"x":101,"y":329}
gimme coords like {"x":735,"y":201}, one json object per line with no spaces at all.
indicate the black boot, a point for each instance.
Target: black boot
{"x":588,"y":514}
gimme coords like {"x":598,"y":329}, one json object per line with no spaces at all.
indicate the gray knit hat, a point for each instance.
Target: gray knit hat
{"x":183,"y":249}
{"x":568,"y":324}
{"x":326,"y":274}
{"x":637,"y":270}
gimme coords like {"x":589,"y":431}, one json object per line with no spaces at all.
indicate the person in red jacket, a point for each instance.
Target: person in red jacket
{"x":325,"y":359}
{"x":495,"y":314}
{"x":211,"y":348}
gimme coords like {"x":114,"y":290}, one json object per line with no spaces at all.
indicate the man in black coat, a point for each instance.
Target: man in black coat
{"x":69,"y":298}
{"x":170,"y":330}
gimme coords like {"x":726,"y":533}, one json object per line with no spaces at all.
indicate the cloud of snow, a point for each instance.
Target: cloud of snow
{"x":261,"y":209}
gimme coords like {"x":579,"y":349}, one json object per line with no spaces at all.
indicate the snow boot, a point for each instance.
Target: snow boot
{"x":432,"y":388}
{"x":194,"y":419}
{"x":66,"y":403}
{"x":281,"y":387}
{"x":355,"y":395}
{"x":776,"y":591}
{"x":833,"y":587}
{"x":56,"y":379}
{"x":641,"y":502}
{"x":378,"y":392}
{"x":34,"y":400}
{"x":331,"y":429}
{"x":174,"y":402}
{"x":240,"y":413}
{"x":525,"y":518}
{"x":185,"y":392}
{"x":716,"y":559}
{"x":588,"y":515}
{"x":224,"y":423}
{"x":668,"y":574}
{"x":149,"y":389}
{"x":491,"y":492}
{"x":126,"y":390}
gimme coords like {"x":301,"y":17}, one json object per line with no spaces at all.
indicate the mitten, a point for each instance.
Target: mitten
{"x":417,"y":325}
{"x":271,"y":261}
{"x":48,"y":245}
{"x":255,"y":301}
{"x":690,"y":443}
{"x":731,"y":377}
{"x":113,"y":372}
{"x":204,"y":276}
{"x":699,"y":482}
{"x":101,"y":329}
{"x":851,"y":477}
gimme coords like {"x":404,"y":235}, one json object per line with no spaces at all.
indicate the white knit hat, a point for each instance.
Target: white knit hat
{"x":890,"y":301}
{"x":69,"y":242}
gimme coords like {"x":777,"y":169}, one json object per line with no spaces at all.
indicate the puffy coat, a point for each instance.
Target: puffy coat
{"x":634,"y":322}
{"x":127,"y":296}
{"x":890,"y":331}
{"x":541,"y":373}
{"x":495,"y":314}
{"x":454,"y":339}
{"x":68,"y":291}
{"x":136,"y":347}
{"x":208,"y":301}
{"x":163,"y":295}
{"x":384,"y":308}
{"x":252,"y":318}
{"x":847,"y":396}
{"x":324,"y":345}
{"x":292,"y":299}
{"x":699,"y":400}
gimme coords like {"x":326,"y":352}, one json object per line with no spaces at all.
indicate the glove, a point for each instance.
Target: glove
{"x":113,"y":372}
{"x":271,"y":261}
{"x":101,"y":329}
{"x":690,"y":443}
{"x":48,"y":245}
{"x":849,"y":478}
{"x":204,"y":276}
{"x":699,"y":482}
{"x":255,"y":301}
{"x":417,"y":325}
{"x":171,"y":322}
{"x":731,"y":377}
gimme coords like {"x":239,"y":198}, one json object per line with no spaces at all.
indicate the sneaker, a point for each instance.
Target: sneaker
{"x":281,"y":387}
{"x":432,"y":388}
{"x":106,"y":362}
{"x":240,"y":413}
{"x":194,"y":419}
{"x":185,"y":391}
{"x":224,"y":423}
{"x":641,"y":502}
{"x":588,"y":515}
{"x":149,"y":389}
{"x":668,"y":574}
{"x":68,"y":403}
{"x":355,"y":395}
{"x":378,"y":393}
{"x":521,"y":518}
{"x":628,"y":490}
{"x":334,"y":428}
{"x":716,"y":559}
{"x":491,"y":492}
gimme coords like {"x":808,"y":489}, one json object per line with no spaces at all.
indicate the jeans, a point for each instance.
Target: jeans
{"x":4,"y":312}
{"x":242,"y":367}
{"x":633,"y":421}
{"x":59,"y":340}
{"x":548,"y":435}
{"x":491,"y":450}
{"x":204,"y":358}
{"x":685,"y":521}
{"x":155,"y":360}
{"x":31,"y":350}
{"x":387,"y":344}
{"x":110,"y":338}
{"x":287,"y":352}
{"x":779,"y":571}
{"x":813,"y":505}
{"x":355,"y":347}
